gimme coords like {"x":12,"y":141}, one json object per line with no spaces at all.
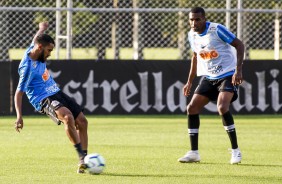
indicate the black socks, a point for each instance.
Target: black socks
{"x":229,"y":126}
{"x":79,"y":150}
{"x":194,"y":125}
{"x":193,"y":130}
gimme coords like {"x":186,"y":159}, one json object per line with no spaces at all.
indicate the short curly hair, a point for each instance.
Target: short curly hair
{"x":44,"y":39}
{"x":198,"y":10}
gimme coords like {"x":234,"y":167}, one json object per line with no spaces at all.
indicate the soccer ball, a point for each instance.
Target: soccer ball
{"x":95,"y":163}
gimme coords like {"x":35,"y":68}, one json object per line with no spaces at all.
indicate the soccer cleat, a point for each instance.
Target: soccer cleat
{"x":81,"y":168}
{"x":236,"y":156}
{"x":190,"y":156}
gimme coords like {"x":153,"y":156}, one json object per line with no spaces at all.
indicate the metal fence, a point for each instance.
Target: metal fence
{"x":135,"y":29}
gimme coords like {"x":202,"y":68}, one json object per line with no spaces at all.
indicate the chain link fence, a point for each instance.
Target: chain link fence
{"x":135,"y":29}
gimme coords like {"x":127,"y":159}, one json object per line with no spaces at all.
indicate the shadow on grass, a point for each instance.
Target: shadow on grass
{"x":146,"y":175}
{"x":262,"y":165}
{"x":240,"y":164}
{"x":263,"y":179}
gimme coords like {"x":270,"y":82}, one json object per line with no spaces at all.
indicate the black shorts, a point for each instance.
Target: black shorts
{"x":211,"y":87}
{"x":60,"y":99}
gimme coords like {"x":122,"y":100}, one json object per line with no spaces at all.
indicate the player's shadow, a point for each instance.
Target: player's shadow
{"x":262,"y":165}
{"x":243,"y":164}
{"x":145,"y":175}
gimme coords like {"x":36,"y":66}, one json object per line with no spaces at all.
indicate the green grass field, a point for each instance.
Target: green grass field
{"x":142,"y":149}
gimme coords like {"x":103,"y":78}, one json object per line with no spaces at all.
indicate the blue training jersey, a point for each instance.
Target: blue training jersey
{"x":35,"y":80}
{"x":216,"y":58}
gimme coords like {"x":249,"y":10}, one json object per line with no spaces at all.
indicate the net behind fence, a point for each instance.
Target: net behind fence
{"x":135,"y":29}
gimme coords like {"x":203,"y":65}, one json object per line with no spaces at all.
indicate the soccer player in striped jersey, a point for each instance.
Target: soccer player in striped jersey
{"x":218,"y":58}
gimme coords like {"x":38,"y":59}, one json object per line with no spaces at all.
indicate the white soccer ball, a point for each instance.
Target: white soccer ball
{"x":95,"y":163}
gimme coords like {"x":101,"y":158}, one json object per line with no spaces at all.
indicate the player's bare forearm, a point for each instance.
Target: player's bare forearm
{"x":18,"y":103}
{"x":193,"y":69}
{"x":43,"y":26}
{"x":240,"y":48}
{"x":18,"y":107}
{"x":191,"y":76}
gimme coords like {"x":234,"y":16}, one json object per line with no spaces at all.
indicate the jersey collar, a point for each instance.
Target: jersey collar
{"x":206,"y":30}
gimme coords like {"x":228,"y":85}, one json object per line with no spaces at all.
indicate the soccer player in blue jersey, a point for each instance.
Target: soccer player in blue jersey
{"x":46,"y":97}
{"x":218,"y":58}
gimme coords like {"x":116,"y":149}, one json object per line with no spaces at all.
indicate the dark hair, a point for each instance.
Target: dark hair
{"x":44,"y":39}
{"x":198,"y":10}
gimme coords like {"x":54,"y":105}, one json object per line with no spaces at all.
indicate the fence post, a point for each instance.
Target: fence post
{"x":68,"y":37}
{"x":227,"y":19}
{"x":276,"y":35}
{"x":69,"y":30}
{"x":58,"y":30}
{"x":115,"y":32}
{"x":239,"y":19}
{"x":137,"y":51}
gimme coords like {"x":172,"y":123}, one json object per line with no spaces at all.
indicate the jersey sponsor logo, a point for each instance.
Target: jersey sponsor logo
{"x":52,"y":89}
{"x":45,"y":75}
{"x":208,"y":55}
{"x":215,"y":69}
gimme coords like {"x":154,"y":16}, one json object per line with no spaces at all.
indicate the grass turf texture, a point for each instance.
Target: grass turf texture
{"x":142,"y":149}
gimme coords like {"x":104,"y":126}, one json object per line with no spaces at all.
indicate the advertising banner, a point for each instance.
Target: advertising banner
{"x":5,"y":88}
{"x":155,"y":87}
